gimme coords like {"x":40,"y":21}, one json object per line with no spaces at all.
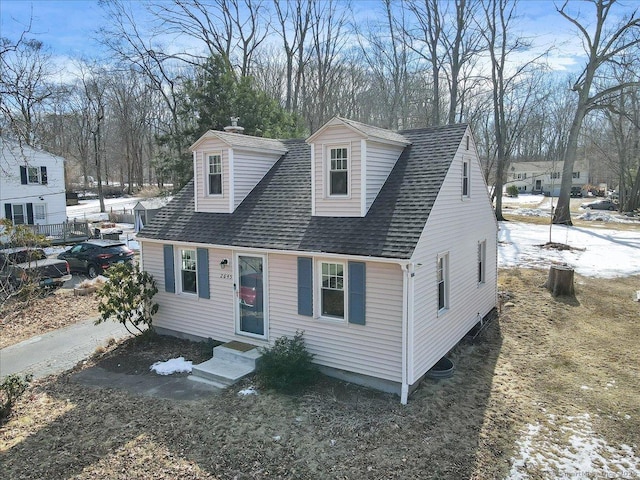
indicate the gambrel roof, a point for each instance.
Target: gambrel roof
{"x":277,"y":212}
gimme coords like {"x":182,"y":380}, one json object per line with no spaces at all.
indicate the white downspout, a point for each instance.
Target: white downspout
{"x":407,"y":329}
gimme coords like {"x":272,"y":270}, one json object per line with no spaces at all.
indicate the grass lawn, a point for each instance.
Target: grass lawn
{"x":549,"y":389}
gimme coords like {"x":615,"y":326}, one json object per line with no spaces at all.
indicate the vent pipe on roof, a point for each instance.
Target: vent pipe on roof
{"x":234,"y":128}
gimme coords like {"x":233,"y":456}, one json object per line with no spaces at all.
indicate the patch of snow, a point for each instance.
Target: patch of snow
{"x":248,"y":391}
{"x":585,"y":387}
{"x":604,"y":253}
{"x":277,"y":438}
{"x":582,"y":455}
{"x":174,"y":365}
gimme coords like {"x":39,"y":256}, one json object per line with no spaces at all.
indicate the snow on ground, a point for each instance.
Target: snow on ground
{"x":598,"y":251}
{"x":248,"y":391}
{"x":90,"y":209}
{"x":580,"y":453}
{"x":595,"y":252}
{"x":174,"y":365}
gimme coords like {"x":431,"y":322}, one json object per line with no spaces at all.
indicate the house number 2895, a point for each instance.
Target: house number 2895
{"x":225,"y":275}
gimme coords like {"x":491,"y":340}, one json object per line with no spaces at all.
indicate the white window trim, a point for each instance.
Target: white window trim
{"x":37,"y":206}
{"x":466,"y":177}
{"x":207,"y":167}
{"x":317,"y":301}
{"x":179,"y":282}
{"x":38,"y":176}
{"x":265,"y":293}
{"x":25,"y":216}
{"x":327,"y":167}
{"x":443,"y":256}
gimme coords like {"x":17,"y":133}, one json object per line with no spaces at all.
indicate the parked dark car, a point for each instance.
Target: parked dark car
{"x":576,"y":192}
{"x":601,"y":205}
{"x":22,"y":265}
{"x":95,"y":256}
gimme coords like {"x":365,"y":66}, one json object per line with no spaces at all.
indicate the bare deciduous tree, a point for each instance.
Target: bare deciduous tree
{"x":604,"y":45}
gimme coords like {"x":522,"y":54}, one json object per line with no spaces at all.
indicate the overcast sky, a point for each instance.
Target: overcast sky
{"x":68,"y":27}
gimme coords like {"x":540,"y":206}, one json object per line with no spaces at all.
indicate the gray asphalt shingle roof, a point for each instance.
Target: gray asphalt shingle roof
{"x":277,"y":212}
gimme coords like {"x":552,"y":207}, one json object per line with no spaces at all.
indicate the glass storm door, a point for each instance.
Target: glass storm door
{"x":250,"y":295}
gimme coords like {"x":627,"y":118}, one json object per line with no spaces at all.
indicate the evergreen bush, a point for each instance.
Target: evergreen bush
{"x":287,"y":365}
{"x":12,"y":388}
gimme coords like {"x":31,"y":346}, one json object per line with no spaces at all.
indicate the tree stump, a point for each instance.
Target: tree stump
{"x":560,"y":281}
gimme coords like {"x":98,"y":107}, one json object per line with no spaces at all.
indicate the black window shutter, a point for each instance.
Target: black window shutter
{"x":169,"y":273}
{"x":305,"y":286}
{"x":43,"y":175}
{"x":23,"y":175}
{"x":8,"y":214}
{"x":29,"y":213}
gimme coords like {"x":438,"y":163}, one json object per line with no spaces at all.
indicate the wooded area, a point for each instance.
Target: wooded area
{"x":286,"y":67}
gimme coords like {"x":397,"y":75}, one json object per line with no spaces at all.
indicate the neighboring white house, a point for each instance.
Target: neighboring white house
{"x":32,"y":189}
{"x":381,"y":246}
{"x":545,"y":177}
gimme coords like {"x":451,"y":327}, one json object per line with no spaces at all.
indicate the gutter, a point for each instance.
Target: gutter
{"x":263,"y":251}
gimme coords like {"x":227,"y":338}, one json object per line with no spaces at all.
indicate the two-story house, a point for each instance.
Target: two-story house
{"x":32,"y":189}
{"x":381,"y":246}
{"x":545,"y":177}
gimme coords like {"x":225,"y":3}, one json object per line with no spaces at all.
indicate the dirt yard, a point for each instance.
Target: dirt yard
{"x":547,"y":382}
{"x":20,"y":320}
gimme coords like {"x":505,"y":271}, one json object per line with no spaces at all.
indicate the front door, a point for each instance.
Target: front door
{"x":250,"y":296}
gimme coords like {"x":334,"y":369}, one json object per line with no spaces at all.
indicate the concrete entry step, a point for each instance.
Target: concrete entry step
{"x":231,"y":362}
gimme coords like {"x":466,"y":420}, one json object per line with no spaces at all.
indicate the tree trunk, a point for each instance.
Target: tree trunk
{"x":560,"y":281}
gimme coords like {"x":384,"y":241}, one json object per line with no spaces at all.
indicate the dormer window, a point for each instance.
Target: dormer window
{"x":215,"y":175}
{"x":338,"y":171}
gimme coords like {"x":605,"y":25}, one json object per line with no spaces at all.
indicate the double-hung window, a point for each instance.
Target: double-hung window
{"x":338,"y":171}
{"x":33,"y":175}
{"x":443,"y":281}
{"x":188,"y":269}
{"x":482,"y":260}
{"x":332,"y":291}
{"x":19,"y":214}
{"x":215,"y":174}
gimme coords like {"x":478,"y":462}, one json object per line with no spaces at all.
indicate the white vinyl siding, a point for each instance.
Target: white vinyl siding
{"x":373,"y":349}
{"x":339,"y":205}
{"x":51,"y":193}
{"x":190,"y":314}
{"x":205,"y":201}
{"x":242,"y":167}
{"x":381,"y":159}
{"x":469,"y":223}
{"x":250,"y":168}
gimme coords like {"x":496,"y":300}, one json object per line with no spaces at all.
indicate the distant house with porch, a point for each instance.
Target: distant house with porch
{"x":32,"y":190}
{"x":545,"y":177}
